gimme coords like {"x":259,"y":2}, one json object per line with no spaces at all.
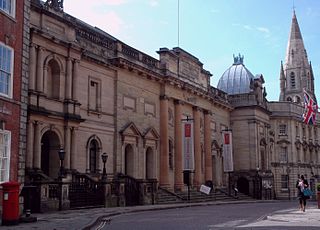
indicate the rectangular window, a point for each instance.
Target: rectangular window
{"x":284,"y":181}
{"x":6,"y":69}
{"x":129,"y":103}
{"x":8,"y":6}
{"x":5,"y":140}
{"x":282,"y":129}
{"x":94,"y":95}
{"x":150,"y":109}
{"x":283,"y":154}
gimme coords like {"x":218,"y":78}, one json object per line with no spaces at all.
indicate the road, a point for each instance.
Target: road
{"x":214,"y":217}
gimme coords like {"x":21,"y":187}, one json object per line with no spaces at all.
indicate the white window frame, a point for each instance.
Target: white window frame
{"x":5,"y":152}
{"x":10,"y":82}
{"x":283,"y":154}
{"x":282,"y":129}
{"x":12,"y":11}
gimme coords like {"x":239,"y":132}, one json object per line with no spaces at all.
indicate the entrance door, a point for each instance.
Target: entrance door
{"x":129,"y":160}
{"x":50,"y":145}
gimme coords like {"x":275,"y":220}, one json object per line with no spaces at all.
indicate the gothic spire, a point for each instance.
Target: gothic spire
{"x":296,"y":69}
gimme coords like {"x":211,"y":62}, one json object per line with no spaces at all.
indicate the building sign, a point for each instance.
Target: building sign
{"x":227,"y":151}
{"x":187,"y":145}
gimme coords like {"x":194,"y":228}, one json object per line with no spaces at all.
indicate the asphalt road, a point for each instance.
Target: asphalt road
{"x":214,"y":217}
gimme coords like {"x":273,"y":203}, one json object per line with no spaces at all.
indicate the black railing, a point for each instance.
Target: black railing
{"x":85,"y":192}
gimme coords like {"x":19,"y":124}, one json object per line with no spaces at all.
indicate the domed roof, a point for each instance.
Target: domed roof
{"x":236,"y":79}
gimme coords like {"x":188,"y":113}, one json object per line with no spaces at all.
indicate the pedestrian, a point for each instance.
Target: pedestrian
{"x":301,"y":185}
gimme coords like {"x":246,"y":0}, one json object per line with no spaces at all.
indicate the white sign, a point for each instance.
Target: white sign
{"x":205,"y":189}
{"x":187,"y":145}
{"x":227,"y":151}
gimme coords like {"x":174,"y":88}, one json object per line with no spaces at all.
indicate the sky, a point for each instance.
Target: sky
{"x":211,"y":30}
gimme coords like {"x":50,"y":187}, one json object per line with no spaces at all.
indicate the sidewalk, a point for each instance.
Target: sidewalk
{"x":291,"y":217}
{"x":85,"y":218}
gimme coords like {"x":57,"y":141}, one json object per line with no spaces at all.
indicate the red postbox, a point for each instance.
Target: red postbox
{"x":10,"y":205}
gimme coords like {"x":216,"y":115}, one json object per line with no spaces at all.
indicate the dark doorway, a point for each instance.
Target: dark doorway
{"x":50,"y":146}
{"x":243,"y":185}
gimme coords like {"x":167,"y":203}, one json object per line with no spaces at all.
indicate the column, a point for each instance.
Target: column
{"x":73,"y":148}
{"x":32,"y":67}
{"x":67,"y":140}
{"x":197,"y":147}
{"x":30,"y":140}
{"x":207,"y":146}
{"x":75,"y":80}
{"x":68,"y":79}
{"x":164,"y":142}
{"x":178,"y":173}
{"x":37,"y":146}
{"x":40,"y":70}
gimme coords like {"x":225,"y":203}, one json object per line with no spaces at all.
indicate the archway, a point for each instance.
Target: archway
{"x":50,"y":145}
{"x":93,"y":153}
{"x":129,"y":160}
{"x":243,"y":185}
{"x":149,"y":163}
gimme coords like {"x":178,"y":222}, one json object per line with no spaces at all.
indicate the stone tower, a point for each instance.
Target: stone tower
{"x":296,"y":73}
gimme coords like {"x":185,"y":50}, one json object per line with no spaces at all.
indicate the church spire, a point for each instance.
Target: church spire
{"x":297,"y":71}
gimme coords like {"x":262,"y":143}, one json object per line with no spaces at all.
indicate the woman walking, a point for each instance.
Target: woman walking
{"x":301,"y":185}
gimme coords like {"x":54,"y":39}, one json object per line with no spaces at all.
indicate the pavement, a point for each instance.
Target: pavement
{"x":87,"y":219}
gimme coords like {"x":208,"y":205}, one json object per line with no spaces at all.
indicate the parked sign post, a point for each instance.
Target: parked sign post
{"x":187,"y":150}
{"x":227,"y":154}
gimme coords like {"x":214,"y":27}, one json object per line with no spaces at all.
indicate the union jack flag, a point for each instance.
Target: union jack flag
{"x":310,"y":109}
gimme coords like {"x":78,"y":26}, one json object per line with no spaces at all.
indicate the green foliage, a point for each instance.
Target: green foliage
{"x":318,"y":187}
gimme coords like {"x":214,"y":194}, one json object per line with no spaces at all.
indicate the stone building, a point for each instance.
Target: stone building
{"x":90,"y":94}
{"x":274,"y":145}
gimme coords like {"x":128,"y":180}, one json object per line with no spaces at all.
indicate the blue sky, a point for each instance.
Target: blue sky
{"x":211,"y":30}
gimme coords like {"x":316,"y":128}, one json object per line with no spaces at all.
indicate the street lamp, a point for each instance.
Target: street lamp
{"x":61,"y":153}
{"x":104,"y":158}
{"x":288,"y":173}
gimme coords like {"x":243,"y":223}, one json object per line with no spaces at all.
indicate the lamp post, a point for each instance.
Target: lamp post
{"x":61,"y":154}
{"x":288,"y":172}
{"x":104,"y":158}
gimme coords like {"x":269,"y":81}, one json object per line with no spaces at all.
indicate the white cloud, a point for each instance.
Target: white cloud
{"x":247,"y":27}
{"x":112,"y":2}
{"x":263,"y":29}
{"x":97,"y":14}
{"x":153,"y":3}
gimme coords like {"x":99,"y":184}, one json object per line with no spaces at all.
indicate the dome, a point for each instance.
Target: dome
{"x":236,"y":79}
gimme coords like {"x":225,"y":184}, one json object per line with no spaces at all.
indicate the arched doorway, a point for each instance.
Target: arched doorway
{"x":149,"y":163}
{"x":243,"y":185}
{"x":129,"y":160}
{"x":50,"y":145}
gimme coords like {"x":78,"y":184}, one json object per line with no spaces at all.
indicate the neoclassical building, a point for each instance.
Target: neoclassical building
{"x":90,"y":94}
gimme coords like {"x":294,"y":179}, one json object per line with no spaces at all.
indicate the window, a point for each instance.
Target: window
{"x":292,"y":80}
{"x":4,"y":155}
{"x":93,"y":156}
{"x":170,"y":155}
{"x":284,"y":181}
{"x":282,"y":129}
{"x":283,"y":154}
{"x":6,"y":66}
{"x":8,"y":6}
{"x":94,"y":95}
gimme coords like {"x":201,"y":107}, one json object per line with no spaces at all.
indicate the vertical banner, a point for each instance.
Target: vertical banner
{"x":187,"y":145}
{"x":227,"y":151}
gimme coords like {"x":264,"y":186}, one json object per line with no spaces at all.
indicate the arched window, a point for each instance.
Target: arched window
{"x":298,"y":100}
{"x":53,"y":79}
{"x":93,"y":156}
{"x":289,"y":99}
{"x":170,"y":154}
{"x":292,"y":80}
